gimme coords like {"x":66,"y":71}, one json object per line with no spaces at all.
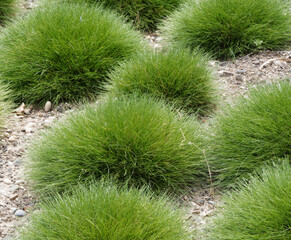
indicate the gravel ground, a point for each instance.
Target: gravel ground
{"x":234,"y":77}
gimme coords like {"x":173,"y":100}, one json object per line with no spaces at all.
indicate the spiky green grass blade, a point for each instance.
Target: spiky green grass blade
{"x":134,"y":139}
{"x":7,"y":8}
{"x":259,"y":210}
{"x":176,"y":75}
{"x":230,"y":28}
{"x":105,"y":211}
{"x":62,"y":52}
{"x":5,"y":105}
{"x":253,"y":131}
{"x":145,"y":14}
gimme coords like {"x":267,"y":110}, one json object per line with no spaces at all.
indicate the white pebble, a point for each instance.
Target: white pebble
{"x":47,"y":106}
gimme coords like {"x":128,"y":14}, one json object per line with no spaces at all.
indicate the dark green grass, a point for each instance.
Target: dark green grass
{"x":176,"y":75}
{"x":62,"y":52}
{"x":230,"y":28}
{"x":145,"y":14}
{"x":132,"y":139}
{"x":7,"y":8}
{"x":259,"y":210}
{"x":253,"y":131}
{"x":104,"y":211}
{"x":5,"y":105}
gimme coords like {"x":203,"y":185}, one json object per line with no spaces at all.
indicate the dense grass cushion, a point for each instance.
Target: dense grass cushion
{"x":253,"y":131}
{"x":62,"y":52}
{"x":145,"y":14}
{"x":7,"y":7}
{"x":229,"y":28}
{"x":175,"y":75}
{"x":137,"y":140}
{"x":103,"y":211}
{"x":258,"y":210}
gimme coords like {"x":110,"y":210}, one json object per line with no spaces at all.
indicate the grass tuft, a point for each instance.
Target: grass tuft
{"x":253,"y":131}
{"x":259,"y":210}
{"x":230,"y":28}
{"x":176,"y":75}
{"x":133,"y":139}
{"x":145,"y":14}
{"x":104,"y":211}
{"x":7,"y":8}
{"x":62,"y":52}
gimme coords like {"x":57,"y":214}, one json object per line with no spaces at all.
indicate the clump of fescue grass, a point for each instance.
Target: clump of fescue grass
{"x":177,"y":75}
{"x":258,"y":210}
{"x":230,"y":28}
{"x":5,"y":105}
{"x":133,"y":139}
{"x":145,"y":14}
{"x":104,"y":211}
{"x":7,"y":8}
{"x":251,"y":132}
{"x":62,"y":52}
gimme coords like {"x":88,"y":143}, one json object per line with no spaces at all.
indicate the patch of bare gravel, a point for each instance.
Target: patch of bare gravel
{"x":15,"y":198}
{"x":238,"y":75}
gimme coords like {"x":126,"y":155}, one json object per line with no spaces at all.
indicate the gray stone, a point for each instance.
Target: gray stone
{"x":13,"y":188}
{"x":242,"y":71}
{"x":212,"y":203}
{"x":13,"y":210}
{"x":20,"y":213}
{"x":238,"y":77}
{"x":225,"y":73}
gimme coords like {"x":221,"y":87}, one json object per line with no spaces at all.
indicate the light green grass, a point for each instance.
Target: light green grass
{"x":230,"y":28}
{"x":254,"y":130}
{"x":62,"y":52}
{"x":104,"y":211}
{"x":175,"y":75}
{"x":258,"y":210}
{"x":133,"y":139}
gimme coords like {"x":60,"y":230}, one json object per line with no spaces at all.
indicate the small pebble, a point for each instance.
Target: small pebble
{"x":12,"y":139}
{"x":27,"y":111}
{"x":13,"y":188}
{"x":47,"y":106}
{"x":7,"y":181}
{"x":13,"y":197}
{"x":19,"y":181}
{"x":20,"y":213}
{"x":225,"y":73}
{"x":242,"y":71}
{"x":13,"y":210}
{"x":238,"y":77}
{"x":212,"y":203}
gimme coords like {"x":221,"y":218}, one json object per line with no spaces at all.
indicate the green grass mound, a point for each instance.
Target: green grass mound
{"x":134,"y":139}
{"x":105,"y":211}
{"x":145,"y":14}
{"x":177,"y":76}
{"x":230,"y":28}
{"x":253,"y":131}
{"x":6,"y":9}
{"x":62,"y":52}
{"x":259,"y":210}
